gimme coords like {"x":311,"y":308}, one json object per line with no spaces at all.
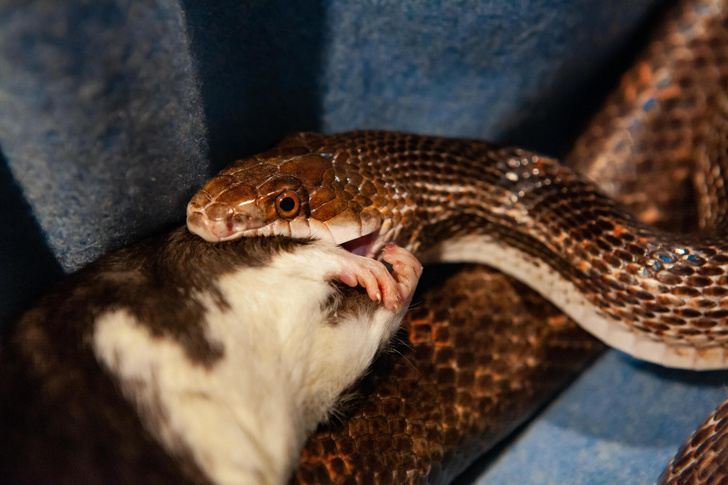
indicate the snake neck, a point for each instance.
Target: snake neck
{"x":433,"y":192}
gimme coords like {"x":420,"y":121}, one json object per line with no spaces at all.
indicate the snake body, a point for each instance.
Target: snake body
{"x":478,"y":355}
{"x":631,"y":277}
{"x":645,"y":291}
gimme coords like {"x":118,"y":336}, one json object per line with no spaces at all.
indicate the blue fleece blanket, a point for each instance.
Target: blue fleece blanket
{"x":112,"y":114}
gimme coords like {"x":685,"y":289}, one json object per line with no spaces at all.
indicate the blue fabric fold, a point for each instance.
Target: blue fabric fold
{"x":622,"y":421}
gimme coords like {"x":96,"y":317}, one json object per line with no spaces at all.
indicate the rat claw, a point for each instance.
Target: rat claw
{"x":406,"y":270}
{"x":392,"y":290}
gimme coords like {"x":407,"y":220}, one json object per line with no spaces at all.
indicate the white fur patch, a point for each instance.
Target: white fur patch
{"x":563,"y":294}
{"x":284,"y":365}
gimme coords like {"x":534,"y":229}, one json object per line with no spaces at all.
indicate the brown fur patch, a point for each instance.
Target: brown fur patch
{"x":63,"y":417}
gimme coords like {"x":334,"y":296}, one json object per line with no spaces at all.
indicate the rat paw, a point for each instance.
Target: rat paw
{"x":393,"y":290}
{"x":407,"y":271}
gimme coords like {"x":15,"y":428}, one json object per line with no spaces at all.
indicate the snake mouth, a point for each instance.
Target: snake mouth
{"x":367,"y":245}
{"x":362,"y":235}
{"x":220,"y":222}
{"x":218,"y":230}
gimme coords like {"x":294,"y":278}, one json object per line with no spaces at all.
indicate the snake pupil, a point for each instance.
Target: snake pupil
{"x":287,"y":204}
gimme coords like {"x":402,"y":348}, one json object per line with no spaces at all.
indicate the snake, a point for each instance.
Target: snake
{"x":634,"y":270}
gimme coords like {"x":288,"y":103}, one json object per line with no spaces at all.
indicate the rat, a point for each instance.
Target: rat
{"x":180,"y":361}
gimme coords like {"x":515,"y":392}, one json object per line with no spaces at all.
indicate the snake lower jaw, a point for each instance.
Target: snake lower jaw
{"x":196,"y":225}
{"x":234,"y":226}
{"x":210,"y":234}
{"x":210,"y":230}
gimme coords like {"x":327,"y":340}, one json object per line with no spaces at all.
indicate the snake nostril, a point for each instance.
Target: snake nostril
{"x":218,"y":212}
{"x":196,"y":220}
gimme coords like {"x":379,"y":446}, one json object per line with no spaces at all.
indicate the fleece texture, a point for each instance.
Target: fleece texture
{"x":113,"y":112}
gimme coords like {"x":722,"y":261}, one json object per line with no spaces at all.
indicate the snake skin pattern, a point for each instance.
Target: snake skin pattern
{"x":480,"y":354}
{"x":659,"y":146}
{"x":431,"y":190}
{"x":663,"y":132}
{"x":702,"y":458}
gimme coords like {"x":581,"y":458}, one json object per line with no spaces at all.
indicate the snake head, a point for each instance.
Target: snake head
{"x":250,"y":197}
{"x":288,"y":191}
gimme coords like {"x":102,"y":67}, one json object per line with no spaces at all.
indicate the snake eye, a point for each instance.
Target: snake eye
{"x":288,"y":204}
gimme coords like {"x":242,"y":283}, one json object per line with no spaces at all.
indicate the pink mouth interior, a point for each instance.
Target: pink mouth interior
{"x":362,"y":246}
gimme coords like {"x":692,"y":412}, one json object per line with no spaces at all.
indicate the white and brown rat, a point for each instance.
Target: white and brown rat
{"x":181,"y":361}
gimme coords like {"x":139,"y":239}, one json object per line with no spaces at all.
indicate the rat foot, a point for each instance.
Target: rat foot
{"x":407,"y":271}
{"x":394,"y":289}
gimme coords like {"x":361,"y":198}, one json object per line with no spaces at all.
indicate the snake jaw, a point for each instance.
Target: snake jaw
{"x":357,"y":238}
{"x":196,"y":224}
{"x":364,"y":246}
{"x":219,"y":222}
{"x":359,"y":233}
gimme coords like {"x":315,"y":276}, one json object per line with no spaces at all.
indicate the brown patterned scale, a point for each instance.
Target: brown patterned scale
{"x":658,"y":147}
{"x":481,"y":353}
{"x":655,"y":295}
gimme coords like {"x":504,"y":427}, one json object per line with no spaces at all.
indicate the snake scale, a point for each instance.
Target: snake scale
{"x":647,"y":280}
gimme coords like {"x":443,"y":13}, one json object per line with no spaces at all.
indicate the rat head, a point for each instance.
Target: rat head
{"x":288,"y":191}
